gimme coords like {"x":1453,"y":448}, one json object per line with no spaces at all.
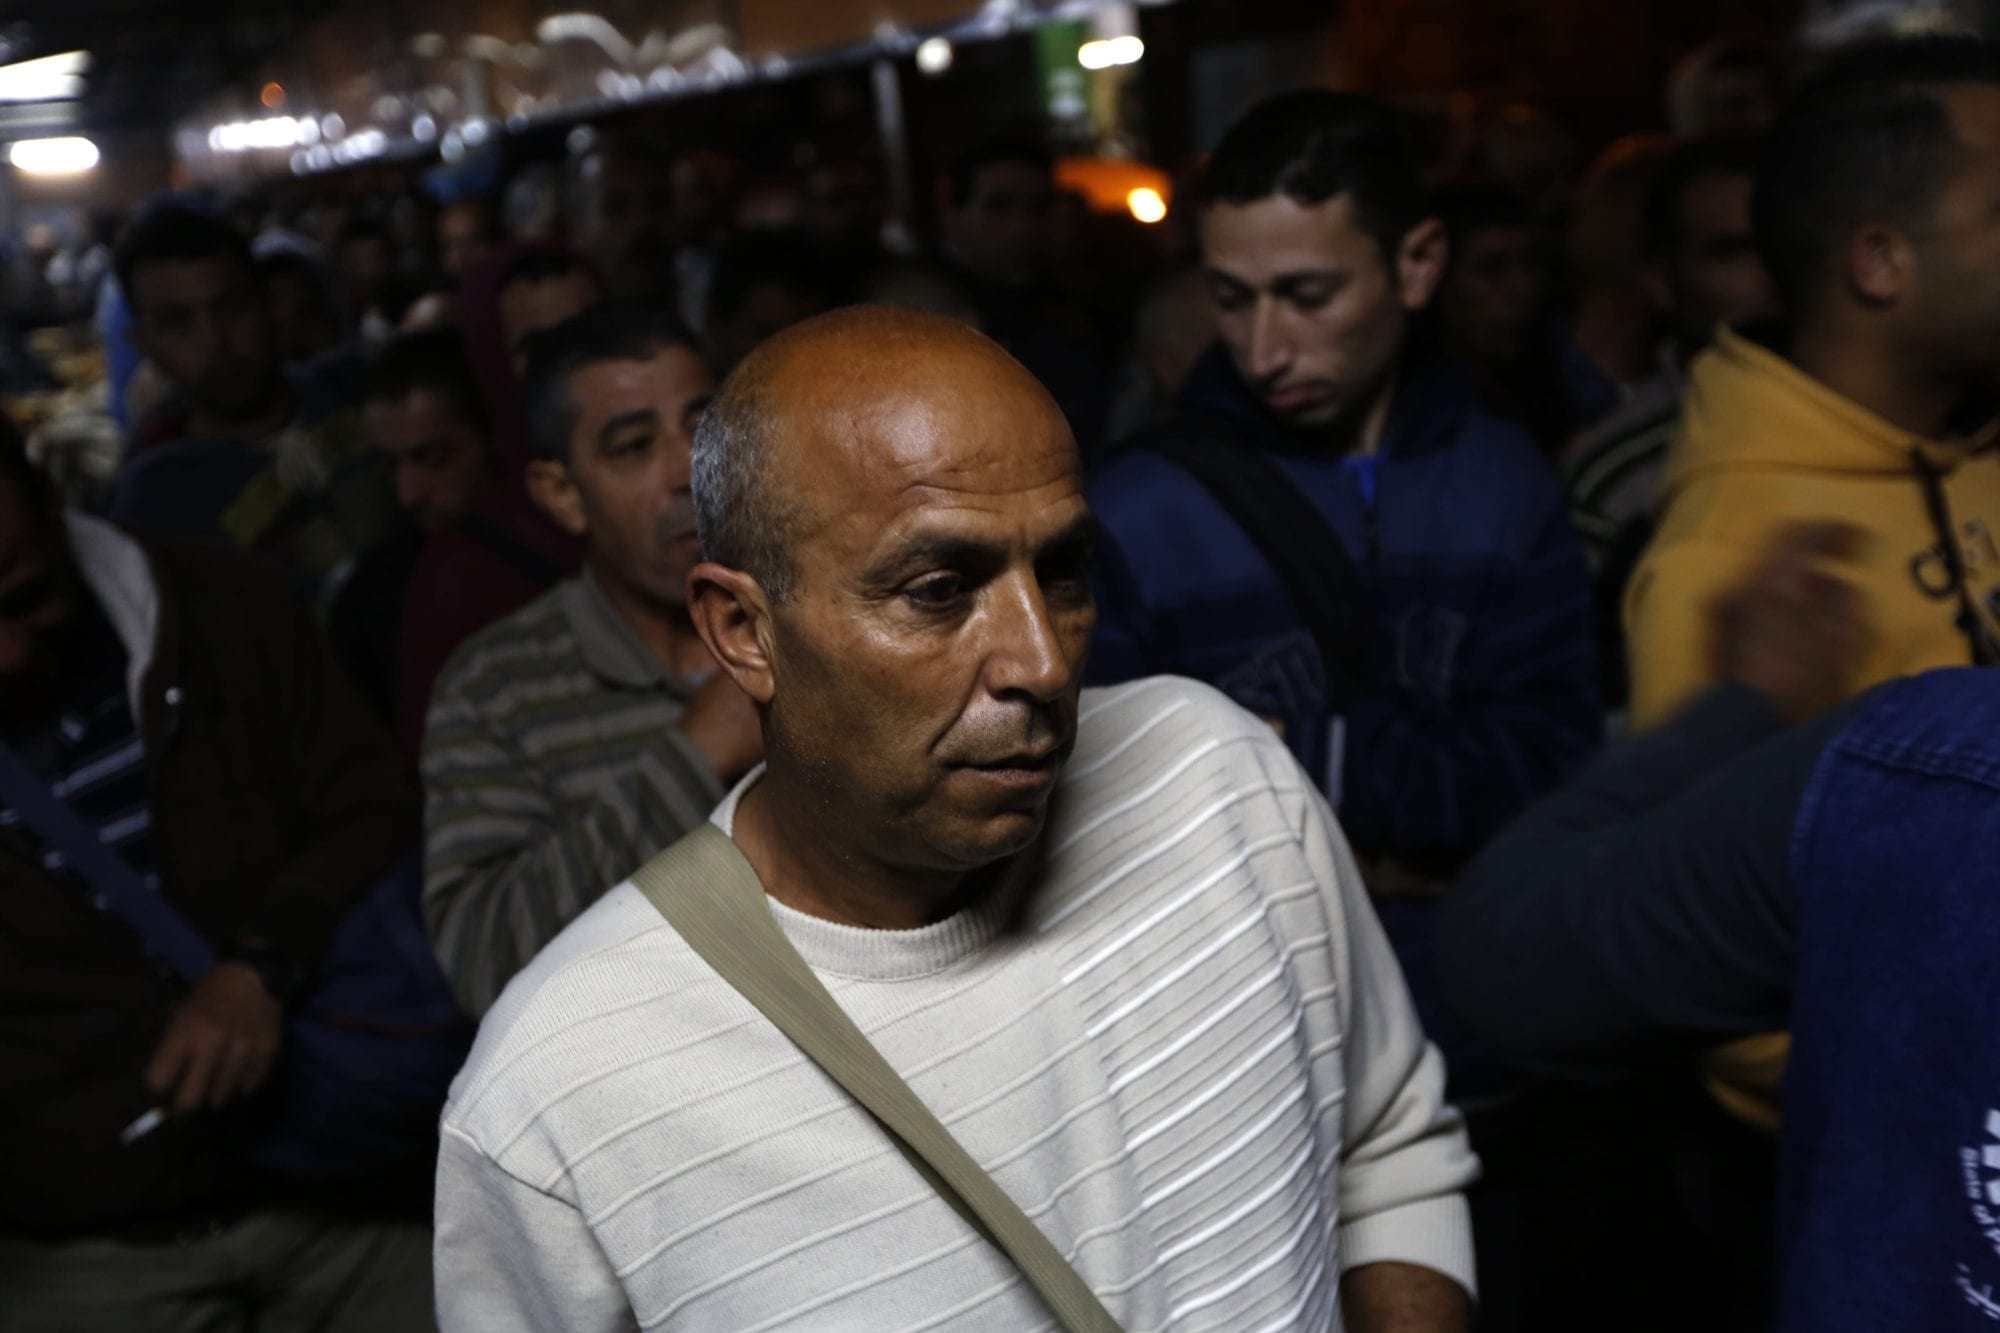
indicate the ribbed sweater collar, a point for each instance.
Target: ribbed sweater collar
{"x":833,"y":949}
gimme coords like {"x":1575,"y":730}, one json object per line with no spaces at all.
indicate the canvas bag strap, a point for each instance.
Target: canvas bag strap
{"x":124,"y":892}
{"x":707,"y":891}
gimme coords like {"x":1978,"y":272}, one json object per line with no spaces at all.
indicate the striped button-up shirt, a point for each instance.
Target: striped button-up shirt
{"x":552,"y":768}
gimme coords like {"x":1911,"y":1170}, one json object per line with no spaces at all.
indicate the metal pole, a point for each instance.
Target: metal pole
{"x":898,"y":229}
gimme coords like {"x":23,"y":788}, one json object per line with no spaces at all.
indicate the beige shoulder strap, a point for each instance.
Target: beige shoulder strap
{"x":707,"y":891}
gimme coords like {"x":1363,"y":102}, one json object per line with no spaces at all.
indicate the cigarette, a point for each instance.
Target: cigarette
{"x":143,"y":1126}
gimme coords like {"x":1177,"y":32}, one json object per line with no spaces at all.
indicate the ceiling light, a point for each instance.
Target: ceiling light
{"x":934,"y":56}
{"x":65,"y":156}
{"x":45,"y":79}
{"x":1108,"y":51}
{"x":1146,"y":204}
{"x":241,"y":136}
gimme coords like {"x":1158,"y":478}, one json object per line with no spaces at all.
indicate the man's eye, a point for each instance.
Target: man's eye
{"x":626,"y":448}
{"x":1068,"y":567}
{"x":937,"y":592}
{"x":1229,"y":301}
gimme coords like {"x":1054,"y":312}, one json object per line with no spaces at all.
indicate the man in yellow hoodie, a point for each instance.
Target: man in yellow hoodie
{"x":1877,"y":209}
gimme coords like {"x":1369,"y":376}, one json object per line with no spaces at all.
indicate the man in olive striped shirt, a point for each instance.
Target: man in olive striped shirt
{"x":570,"y":741}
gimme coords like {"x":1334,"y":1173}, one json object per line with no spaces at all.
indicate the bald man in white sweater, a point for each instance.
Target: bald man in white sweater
{"x":1114,"y":941}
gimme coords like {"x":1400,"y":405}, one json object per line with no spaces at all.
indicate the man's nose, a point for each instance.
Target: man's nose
{"x":1029,"y":656}
{"x":1270,"y":350}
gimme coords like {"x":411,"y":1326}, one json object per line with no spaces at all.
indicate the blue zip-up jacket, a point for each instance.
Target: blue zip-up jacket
{"x":1481,"y":691}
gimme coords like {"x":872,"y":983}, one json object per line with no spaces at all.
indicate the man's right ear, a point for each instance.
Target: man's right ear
{"x":733,"y":616}
{"x":1421,"y":260}
{"x":1881,"y":264}
{"x":550,"y":483}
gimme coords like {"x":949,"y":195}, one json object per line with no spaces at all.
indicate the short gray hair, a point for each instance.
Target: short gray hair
{"x":741,"y":519}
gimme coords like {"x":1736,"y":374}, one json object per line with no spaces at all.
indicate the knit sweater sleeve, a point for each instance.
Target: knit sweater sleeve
{"x":1405,"y":1159}
{"x":511,"y":1257}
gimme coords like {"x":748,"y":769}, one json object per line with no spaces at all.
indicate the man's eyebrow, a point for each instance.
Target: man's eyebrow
{"x":1281,"y":283}
{"x":1285,"y":282}
{"x":1083,"y":529}
{"x":932,"y":551}
{"x":638,"y":416}
{"x":945,"y":551}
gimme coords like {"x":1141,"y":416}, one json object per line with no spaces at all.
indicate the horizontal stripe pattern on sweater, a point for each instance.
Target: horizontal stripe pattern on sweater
{"x":1175,"y":1037}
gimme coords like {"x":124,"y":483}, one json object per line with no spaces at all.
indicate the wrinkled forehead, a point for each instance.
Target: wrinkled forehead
{"x":970,"y":440}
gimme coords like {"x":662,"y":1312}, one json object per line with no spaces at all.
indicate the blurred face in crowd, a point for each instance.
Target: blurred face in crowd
{"x":303,"y":320}
{"x":768,"y":308}
{"x":1740,"y":97}
{"x":697,"y":202}
{"x":464,"y":235}
{"x":530,"y":305}
{"x":1312,"y":311}
{"x":367,"y":265}
{"x":844,"y":205}
{"x":622,"y":208}
{"x":203,"y":323}
{"x":1495,"y":292}
{"x":38,"y":597}
{"x":440,"y":460}
{"x":922,"y":676}
{"x":624,"y":487}
{"x":1001,"y":230}
{"x":1949,"y":317}
{"x":1713,"y":275}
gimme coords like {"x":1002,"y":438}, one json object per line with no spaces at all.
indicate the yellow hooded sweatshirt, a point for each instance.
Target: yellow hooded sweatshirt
{"x":1762,"y":445}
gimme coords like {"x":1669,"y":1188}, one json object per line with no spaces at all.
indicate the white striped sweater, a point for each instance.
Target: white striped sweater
{"x":1179,"y":1042}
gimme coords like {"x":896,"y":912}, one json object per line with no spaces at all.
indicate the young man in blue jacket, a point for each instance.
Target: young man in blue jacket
{"x":1448,"y":678}
{"x":1466,"y":687}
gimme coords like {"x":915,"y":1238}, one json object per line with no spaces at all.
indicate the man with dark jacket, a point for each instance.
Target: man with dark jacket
{"x":1724,"y":875}
{"x":180,"y":704}
{"x":1446,"y":678}
{"x":1470,"y":685}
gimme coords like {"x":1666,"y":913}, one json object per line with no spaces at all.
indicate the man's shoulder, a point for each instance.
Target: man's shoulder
{"x":149,"y":475}
{"x":530,"y":642}
{"x":1140,"y":483}
{"x":1170,"y":729}
{"x":1490,"y":451}
{"x":616,"y":973}
{"x":1651,"y":408}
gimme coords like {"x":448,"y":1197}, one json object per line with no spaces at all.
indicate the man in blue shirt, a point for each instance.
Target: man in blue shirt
{"x":1467,"y":687}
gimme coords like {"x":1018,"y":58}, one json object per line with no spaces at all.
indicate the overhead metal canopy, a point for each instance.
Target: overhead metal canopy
{"x":152,"y":61}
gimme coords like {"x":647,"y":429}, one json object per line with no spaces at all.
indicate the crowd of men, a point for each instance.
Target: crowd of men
{"x":1171,"y":723}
